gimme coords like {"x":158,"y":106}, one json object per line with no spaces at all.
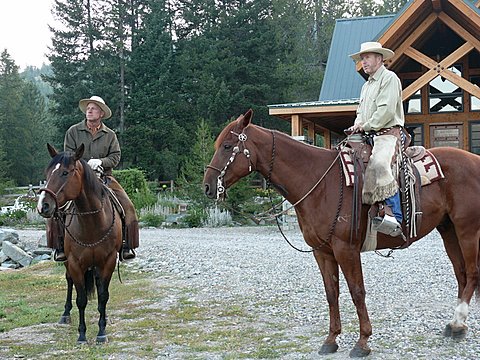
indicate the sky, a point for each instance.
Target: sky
{"x":24,"y":30}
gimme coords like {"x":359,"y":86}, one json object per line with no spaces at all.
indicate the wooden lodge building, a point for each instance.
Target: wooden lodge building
{"x":437,"y":57}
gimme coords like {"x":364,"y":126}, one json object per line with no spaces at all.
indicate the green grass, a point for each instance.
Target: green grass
{"x":145,"y":316}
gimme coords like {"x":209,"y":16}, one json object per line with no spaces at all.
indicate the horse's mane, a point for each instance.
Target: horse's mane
{"x":226,"y":131}
{"x":91,"y":181}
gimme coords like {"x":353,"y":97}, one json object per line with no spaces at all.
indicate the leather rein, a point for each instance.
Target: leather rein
{"x":242,"y":138}
{"x":60,"y":214}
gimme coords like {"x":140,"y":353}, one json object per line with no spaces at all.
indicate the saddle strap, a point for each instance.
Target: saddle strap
{"x":113,"y":197}
{"x":358,"y":170}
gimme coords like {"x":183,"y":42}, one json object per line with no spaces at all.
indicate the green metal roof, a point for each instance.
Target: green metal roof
{"x":341,"y":80}
{"x":342,"y":83}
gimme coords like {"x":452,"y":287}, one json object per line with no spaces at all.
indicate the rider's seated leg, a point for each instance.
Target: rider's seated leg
{"x":130,"y":240}
{"x":129,"y":221}
{"x":393,"y":203}
{"x":389,"y":218}
{"x":55,"y":239}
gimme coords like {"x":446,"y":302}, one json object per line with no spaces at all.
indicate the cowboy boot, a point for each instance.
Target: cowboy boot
{"x":59,"y":253}
{"x":127,"y":252}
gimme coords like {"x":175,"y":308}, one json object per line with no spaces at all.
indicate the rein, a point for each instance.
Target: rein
{"x":103,"y":238}
{"x":242,"y":138}
{"x":61,"y":215}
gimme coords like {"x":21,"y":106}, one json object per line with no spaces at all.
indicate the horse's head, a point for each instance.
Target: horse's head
{"x":232,"y":159}
{"x":64,"y":180}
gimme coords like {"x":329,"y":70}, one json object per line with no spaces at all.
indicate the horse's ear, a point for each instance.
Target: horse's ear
{"x":51,"y":150}
{"x":247,"y":118}
{"x":79,"y":152}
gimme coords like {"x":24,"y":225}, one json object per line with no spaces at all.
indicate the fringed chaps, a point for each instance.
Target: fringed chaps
{"x":380,"y":181}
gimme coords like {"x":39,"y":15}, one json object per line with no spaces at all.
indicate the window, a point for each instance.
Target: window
{"x":414,"y":104}
{"x":474,"y":129}
{"x":445,"y":96}
{"x":446,"y":135}
{"x":416,"y":134}
{"x":474,"y":101}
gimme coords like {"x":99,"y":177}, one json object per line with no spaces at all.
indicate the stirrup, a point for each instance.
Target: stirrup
{"x":127,"y":254}
{"x":387,"y":225}
{"x":59,"y":256}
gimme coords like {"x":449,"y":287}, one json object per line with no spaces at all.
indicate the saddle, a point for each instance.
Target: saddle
{"x":418,"y":167}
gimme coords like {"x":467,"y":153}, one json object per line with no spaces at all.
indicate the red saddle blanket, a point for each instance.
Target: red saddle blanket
{"x":426,"y":164}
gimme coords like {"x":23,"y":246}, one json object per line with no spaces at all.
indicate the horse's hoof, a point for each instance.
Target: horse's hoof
{"x":81,"y":342}
{"x":447,"y":332}
{"x":65,"y":320}
{"x":459,"y":333}
{"x":456,"y":333}
{"x":358,"y":351}
{"x":328,"y":349}
{"x":102,"y":339}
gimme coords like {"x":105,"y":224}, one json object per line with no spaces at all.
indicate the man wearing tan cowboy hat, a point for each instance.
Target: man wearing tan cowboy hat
{"x":102,"y":153}
{"x":380,"y":114}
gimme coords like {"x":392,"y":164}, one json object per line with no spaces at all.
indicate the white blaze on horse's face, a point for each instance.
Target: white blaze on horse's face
{"x":41,"y":198}
{"x":56,"y":168}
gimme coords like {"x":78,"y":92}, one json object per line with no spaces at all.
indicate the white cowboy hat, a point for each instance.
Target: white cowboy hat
{"x":82,"y":104}
{"x":372,"y":47}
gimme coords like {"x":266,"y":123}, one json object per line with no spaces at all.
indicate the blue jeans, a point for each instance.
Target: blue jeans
{"x":394,"y":204}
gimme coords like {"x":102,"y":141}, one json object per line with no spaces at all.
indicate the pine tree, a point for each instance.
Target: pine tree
{"x":190,"y":180}
{"x":23,"y":130}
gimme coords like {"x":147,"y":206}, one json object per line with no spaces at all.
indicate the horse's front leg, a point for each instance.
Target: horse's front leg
{"x":348,"y":258}
{"x":103,"y":296}
{"x":329,"y":269}
{"x":65,"y":318}
{"x":81,"y":305}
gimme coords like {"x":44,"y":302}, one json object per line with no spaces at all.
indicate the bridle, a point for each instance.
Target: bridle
{"x":60,"y":214}
{"x":242,"y":138}
{"x":52,"y":193}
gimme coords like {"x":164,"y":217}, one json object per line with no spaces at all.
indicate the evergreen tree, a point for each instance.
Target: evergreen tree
{"x":190,"y":180}
{"x":154,"y":139}
{"x":22,"y":114}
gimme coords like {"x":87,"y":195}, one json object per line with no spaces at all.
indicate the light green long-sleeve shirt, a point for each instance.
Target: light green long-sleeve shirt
{"x":381,"y":101}
{"x":104,"y":145}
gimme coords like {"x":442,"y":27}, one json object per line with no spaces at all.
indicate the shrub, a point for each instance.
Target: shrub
{"x":152,"y":220}
{"x":14,"y":217}
{"x":135,"y":185}
{"x":195,"y":217}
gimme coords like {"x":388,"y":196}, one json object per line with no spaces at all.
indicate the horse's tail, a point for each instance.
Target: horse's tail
{"x":90,"y":283}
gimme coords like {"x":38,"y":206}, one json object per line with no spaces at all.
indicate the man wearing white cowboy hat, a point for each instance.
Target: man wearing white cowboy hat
{"x":380,"y":114}
{"x":102,"y":153}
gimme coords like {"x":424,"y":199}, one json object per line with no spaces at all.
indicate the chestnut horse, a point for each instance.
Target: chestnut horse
{"x":93,"y":232}
{"x":310,"y":177}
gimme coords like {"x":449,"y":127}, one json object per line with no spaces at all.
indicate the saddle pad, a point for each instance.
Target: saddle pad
{"x":428,"y":167}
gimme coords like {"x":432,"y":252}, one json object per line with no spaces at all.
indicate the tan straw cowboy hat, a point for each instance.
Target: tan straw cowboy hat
{"x":372,"y":47}
{"x":82,"y":104}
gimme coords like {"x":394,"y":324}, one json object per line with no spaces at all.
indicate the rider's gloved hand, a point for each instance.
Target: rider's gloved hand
{"x":95,"y":163}
{"x":354,"y":129}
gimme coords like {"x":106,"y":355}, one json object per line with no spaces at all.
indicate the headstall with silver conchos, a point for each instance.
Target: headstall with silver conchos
{"x":242,"y":137}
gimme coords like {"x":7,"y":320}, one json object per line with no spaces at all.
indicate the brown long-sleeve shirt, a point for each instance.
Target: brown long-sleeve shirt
{"x":103,"y":145}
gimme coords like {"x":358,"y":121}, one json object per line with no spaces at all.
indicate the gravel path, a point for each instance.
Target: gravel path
{"x":410,"y":297}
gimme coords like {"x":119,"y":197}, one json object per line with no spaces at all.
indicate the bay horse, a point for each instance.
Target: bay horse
{"x":93,"y":232}
{"x":310,"y":177}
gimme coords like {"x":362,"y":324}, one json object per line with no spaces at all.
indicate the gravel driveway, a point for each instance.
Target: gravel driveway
{"x":410,"y":297}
